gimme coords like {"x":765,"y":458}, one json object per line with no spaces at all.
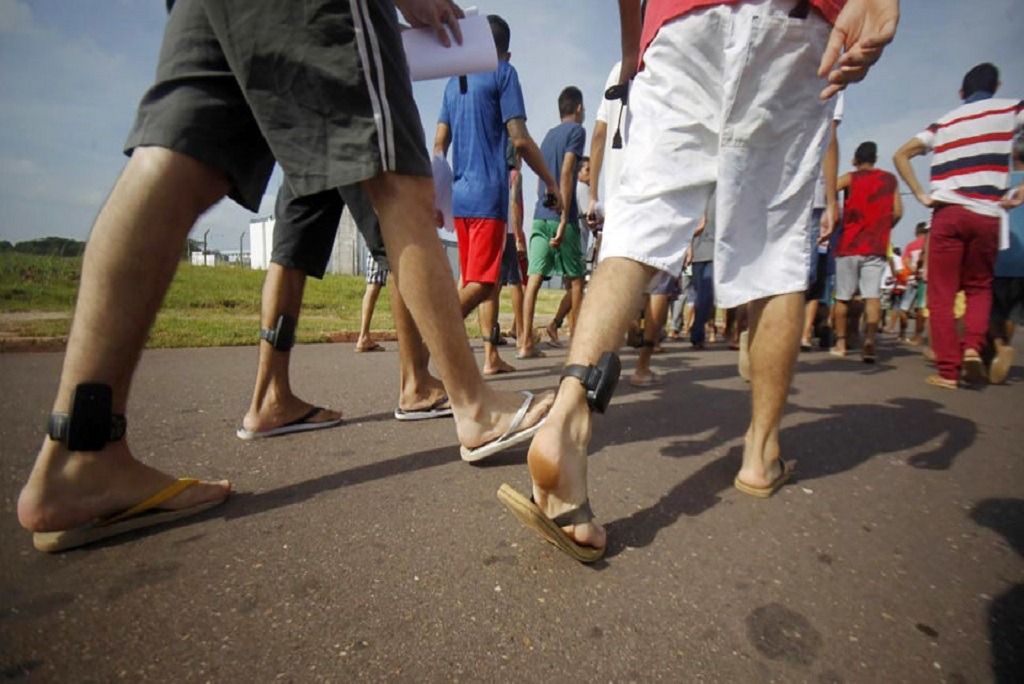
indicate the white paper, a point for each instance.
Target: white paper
{"x":428,"y":58}
{"x":443,"y":179}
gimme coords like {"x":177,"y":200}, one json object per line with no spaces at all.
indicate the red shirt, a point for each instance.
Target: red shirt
{"x":660,"y":12}
{"x":867,"y":214}
{"x":912,"y":252}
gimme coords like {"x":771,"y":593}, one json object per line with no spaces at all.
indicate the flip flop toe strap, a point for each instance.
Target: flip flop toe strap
{"x":160,"y":497}
{"x":576,"y":516}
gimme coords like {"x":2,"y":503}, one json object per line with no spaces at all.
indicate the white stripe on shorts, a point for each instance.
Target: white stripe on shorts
{"x":378,"y":91}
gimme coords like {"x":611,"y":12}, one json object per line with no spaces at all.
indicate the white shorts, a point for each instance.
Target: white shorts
{"x":728,"y":98}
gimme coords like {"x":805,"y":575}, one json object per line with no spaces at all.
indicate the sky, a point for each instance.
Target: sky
{"x":72,"y":73}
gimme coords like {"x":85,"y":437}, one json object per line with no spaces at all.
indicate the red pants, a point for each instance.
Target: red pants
{"x":962,"y":247}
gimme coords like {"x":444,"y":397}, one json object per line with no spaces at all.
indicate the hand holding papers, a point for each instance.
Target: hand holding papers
{"x":428,"y":58}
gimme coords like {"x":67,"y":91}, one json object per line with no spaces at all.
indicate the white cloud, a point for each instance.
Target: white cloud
{"x":15,"y":17}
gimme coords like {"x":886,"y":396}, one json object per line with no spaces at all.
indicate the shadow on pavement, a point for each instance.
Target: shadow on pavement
{"x":1006,"y":614}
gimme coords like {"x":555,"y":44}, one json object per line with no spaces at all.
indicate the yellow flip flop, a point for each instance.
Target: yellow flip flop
{"x":142,"y":515}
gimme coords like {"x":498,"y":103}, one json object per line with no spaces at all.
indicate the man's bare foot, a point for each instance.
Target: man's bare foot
{"x":495,"y":415}
{"x":65,"y":491}
{"x":498,"y":367}
{"x":421,"y":397}
{"x":645,"y":378}
{"x":558,"y":467}
{"x":274,"y":413}
{"x":552,"y":332}
{"x":761,"y":466}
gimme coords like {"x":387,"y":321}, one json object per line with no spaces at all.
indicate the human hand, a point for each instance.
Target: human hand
{"x":435,"y":14}
{"x":1013,"y":198}
{"x":829,"y":219}
{"x":554,"y":193}
{"x":438,"y":219}
{"x":557,"y":240}
{"x":688,"y":259}
{"x":520,"y":245}
{"x":861,"y":32}
{"x":925,"y":199}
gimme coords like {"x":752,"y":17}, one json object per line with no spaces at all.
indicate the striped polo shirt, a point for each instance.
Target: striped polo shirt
{"x":971,"y":146}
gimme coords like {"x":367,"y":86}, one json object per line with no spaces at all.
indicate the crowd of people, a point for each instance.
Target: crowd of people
{"x":707,"y":163}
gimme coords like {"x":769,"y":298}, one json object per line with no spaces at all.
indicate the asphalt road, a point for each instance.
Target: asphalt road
{"x":370,"y":551}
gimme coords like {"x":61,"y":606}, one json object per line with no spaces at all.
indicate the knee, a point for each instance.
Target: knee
{"x":195,"y":185}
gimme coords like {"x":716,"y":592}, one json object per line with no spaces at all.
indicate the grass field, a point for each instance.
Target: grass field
{"x":205,"y":307}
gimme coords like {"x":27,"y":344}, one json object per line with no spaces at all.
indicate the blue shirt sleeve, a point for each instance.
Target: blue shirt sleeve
{"x":444,"y":116}
{"x":512,"y":105}
{"x":577,"y":141}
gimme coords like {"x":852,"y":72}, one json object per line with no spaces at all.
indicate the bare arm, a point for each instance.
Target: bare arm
{"x":843,"y":183}
{"x":912,"y":148}
{"x":567,"y":180}
{"x":442,"y":140}
{"x":531,"y":154}
{"x":630,"y":25}
{"x":830,"y":169}
{"x":517,"y":211}
{"x":596,"y":162}
{"x":897,"y":208}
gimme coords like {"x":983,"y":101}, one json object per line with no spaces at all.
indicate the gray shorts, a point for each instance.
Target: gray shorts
{"x":322,"y":86}
{"x":861,"y":274}
{"x":305,"y":227}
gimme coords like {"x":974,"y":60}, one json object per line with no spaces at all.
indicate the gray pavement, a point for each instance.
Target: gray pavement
{"x":371,"y":551}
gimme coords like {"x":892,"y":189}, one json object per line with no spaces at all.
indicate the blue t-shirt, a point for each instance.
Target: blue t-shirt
{"x":477,"y":120}
{"x":567,"y":136}
{"x":1010,"y":262}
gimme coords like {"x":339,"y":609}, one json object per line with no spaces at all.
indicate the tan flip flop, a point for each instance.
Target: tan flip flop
{"x":551,"y":530}
{"x":765,"y":492}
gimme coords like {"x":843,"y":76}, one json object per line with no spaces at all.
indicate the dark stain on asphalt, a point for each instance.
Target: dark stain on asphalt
{"x":825,"y":558}
{"x":142,"y":577}
{"x":595,"y":633}
{"x":779,"y":633}
{"x":19,"y":670}
{"x":495,"y":560}
{"x":830,"y":677}
{"x":38,"y":606}
{"x":927,"y":630}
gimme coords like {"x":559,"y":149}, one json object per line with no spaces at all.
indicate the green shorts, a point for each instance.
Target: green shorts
{"x":566,"y":260}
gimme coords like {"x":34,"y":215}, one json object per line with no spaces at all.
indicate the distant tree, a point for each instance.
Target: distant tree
{"x":51,"y":246}
{"x":6,"y":246}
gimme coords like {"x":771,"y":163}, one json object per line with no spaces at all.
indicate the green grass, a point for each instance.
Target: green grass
{"x":204,"y":307}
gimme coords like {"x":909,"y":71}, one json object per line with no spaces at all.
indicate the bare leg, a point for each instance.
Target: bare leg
{"x":840,"y":315}
{"x":654,"y":320}
{"x":564,"y":307}
{"x":472,"y":295}
{"x":774,"y":336}
{"x":810,"y":313}
{"x":405,"y":207}
{"x":366,"y":316}
{"x":418,"y":389}
{"x":557,"y":458}
{"x":517,"y":310}
{"x":873,"y":313}
{"x":131,"y":257}
{"x":576,"y":295}
{"x":493,"y":363}
{"x":273,"y":403}
{"x":525,"y":342}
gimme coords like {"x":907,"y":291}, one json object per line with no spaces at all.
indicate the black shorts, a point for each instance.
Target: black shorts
{"x":322,"y":86}
{"x":305,"y":227}
{"x":1008,"y":300}
{"x":511,"y":274}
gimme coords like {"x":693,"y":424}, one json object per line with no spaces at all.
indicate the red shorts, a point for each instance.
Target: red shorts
{"x":481,"y":242}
